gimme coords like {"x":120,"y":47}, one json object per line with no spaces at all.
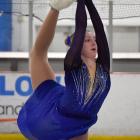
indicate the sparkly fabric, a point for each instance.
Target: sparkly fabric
{"x":76,"y":101}
{"x":56,"y":112}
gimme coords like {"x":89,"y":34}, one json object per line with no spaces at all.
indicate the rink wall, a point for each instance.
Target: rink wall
{"x":119,"y":115}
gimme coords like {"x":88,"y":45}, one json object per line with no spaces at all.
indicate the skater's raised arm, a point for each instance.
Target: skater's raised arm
{"x":73,"y":57}
{"x":103,"y":49}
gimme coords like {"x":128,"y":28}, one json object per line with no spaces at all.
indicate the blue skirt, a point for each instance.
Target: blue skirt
{"x":41,"y":119}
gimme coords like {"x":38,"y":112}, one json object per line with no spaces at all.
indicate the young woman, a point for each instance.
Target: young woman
{"x":56,"y":112}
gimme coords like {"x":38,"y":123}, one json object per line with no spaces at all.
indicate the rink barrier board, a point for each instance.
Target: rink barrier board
{"x":94,"y":137}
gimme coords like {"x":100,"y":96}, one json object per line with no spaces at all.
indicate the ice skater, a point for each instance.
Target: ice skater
{"x":56,"y":112}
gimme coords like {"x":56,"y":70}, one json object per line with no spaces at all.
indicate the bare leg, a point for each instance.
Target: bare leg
{"x":40,"y":68}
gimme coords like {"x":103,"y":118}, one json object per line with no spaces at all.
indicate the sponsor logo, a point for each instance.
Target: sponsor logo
{"x":18,"y":86}
{"x":10,"y":109}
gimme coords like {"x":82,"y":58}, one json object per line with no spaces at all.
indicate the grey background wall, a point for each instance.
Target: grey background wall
{"x":125,"y":38}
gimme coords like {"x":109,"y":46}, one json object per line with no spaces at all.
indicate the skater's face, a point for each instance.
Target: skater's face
{"x":89,"y":49}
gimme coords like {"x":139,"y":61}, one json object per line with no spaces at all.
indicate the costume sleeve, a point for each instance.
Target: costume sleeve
{"x":73,"y":57}
{"x":103,"y":49}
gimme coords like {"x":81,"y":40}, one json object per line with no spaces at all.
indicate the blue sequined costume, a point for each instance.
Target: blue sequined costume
{"x":56,"y":112}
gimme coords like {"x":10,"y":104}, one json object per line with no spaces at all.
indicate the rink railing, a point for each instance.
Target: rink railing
{"x":61,"y":55}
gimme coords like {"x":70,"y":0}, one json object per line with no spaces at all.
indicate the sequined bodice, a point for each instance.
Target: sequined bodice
{"x":76,"y":99}
{"x":82,"y":82}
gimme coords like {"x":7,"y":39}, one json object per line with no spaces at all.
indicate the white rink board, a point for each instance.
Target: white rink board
{"x":119,"y":115}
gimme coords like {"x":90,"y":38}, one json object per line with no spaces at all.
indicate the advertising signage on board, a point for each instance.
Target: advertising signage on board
{"x":15,"y":89}
{"x":21,"y":85}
